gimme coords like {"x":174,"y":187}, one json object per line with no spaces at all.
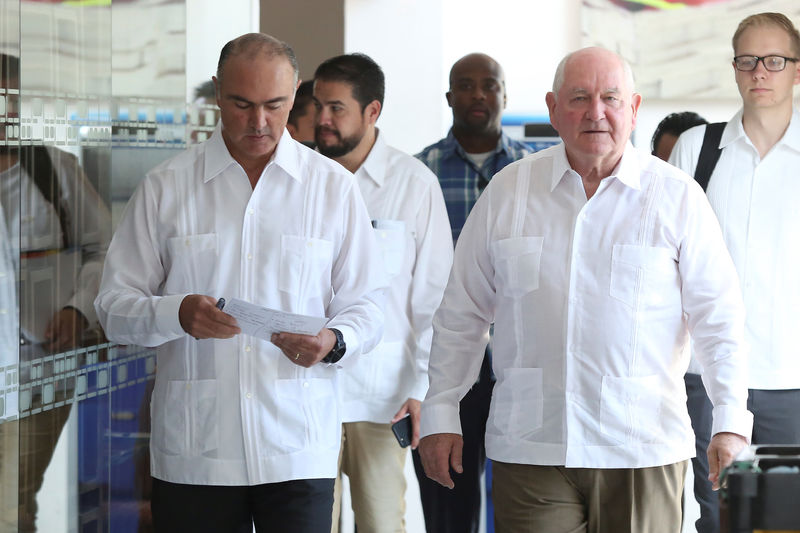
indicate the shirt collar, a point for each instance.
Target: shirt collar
{"x":628,"y":170}
{"x":734,"y":131}
{"x":217,"y":157}
{"x":452,"y":145}
{"x":374,"y":165}
{"x":792,"y":136}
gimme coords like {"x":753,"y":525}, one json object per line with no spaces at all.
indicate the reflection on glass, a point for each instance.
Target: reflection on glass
{"x":63,"y":229}
{"x":77,"y":133}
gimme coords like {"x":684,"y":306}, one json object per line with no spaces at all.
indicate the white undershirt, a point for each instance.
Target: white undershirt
{"x":480,"y":159}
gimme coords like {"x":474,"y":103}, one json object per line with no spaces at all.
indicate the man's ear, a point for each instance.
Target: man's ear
{"x":636,"y":101}
{"x":550,"y":100}
{"x":216,"y":90}
{"x":373,"y":111}
{"x":449,"y":96}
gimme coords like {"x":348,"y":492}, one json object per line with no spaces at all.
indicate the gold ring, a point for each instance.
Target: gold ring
{"x":296,"y":357}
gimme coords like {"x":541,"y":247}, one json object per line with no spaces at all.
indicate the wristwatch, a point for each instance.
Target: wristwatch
{"x":338,"y":350}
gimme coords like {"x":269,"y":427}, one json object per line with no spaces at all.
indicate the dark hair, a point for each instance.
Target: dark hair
{"x":9,"y":69}
{"x":253,"y":43}
{"x":205,"y":90}
{"x":360,"y":71}
{"x":301,"y":99}
{"x":675,"y":124}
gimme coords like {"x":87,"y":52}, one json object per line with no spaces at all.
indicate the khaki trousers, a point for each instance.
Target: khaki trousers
{"x":373,"y":461}
{"x":555,"y":499}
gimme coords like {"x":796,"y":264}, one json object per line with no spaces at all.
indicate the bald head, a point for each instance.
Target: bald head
{"x":251,"y":45}
{"x":477,"y":97}
{"x":476,"y":60}
{"x":590,"y":56}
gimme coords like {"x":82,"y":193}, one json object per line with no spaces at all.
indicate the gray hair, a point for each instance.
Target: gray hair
{"x":558,"y":79}
{"x":254,"y":43}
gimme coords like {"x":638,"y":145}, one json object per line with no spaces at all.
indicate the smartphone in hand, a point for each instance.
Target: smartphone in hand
{"x":402,"y":431}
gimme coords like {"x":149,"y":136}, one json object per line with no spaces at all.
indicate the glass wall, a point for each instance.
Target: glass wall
{"x":91,"y":97}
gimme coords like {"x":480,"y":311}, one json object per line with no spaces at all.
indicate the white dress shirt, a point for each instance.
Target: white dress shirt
{"x":756,"y":203}
{"x":51,"y":276}
{"x":592,"y":304}
{"x":410,"y":221}
{"x":237,"y":411}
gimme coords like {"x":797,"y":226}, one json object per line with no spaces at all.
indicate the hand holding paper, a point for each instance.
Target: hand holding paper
{"x":262,"y":322}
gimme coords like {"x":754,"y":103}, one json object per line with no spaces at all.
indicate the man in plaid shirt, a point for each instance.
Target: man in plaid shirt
{"x":474,"y":150}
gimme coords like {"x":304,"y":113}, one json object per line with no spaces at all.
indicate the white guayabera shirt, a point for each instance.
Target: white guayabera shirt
{"x":592,"y":304}
{"x":756,"y":203}
{"x":237,"y":411}
{"x":405,"y":202}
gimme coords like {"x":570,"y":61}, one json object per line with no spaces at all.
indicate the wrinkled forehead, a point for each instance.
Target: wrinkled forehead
{"x":605,"y":75}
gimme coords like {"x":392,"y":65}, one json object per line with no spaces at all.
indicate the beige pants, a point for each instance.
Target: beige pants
{"x":9,"y":474}
{"x":555,"y":499}
{"x":373,"y":461}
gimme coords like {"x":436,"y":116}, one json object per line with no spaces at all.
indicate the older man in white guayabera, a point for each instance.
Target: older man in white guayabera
{"x":594,"y":262}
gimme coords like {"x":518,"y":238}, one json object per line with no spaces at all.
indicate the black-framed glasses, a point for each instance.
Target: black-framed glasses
{"x":771,"y":63}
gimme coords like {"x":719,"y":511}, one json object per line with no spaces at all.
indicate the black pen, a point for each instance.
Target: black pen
{"x":220,"y":303}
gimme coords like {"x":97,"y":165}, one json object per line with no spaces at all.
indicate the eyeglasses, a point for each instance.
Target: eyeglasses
{"x":771,"y":63}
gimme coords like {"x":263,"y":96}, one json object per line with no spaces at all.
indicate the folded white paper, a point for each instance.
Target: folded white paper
{"x":263,"y":322}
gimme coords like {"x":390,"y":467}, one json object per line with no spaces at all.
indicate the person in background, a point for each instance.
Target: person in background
{"x":301,"y":117}
{"x":245,"y":430}
{"x":594,"y":263}
{"x":669,"y":129}
{"x":474,"y":150}
{"x":752,"y":190}
{"x":409,"y":218}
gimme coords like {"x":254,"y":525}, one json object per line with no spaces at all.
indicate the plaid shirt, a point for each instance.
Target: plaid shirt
{"x":462,"y":182}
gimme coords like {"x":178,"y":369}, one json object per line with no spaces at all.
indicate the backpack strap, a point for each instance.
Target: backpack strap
{"x":709,"y":153}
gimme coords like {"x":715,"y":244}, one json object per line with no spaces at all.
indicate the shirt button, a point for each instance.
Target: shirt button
{"x":249,"y":395}
{"x":188,"y":242}
{"x":251,"y":211}
{"x":247,"y":348}
{"x":305,"y":384}
{"x":249,"y":256}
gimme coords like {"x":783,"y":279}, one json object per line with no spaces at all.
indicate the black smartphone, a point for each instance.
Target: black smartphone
{"x":402,"y":431}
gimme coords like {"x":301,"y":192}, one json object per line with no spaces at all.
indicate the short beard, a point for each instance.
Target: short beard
{"x":343,"y":147}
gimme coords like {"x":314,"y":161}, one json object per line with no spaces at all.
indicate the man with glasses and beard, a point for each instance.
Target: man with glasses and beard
{"x":410,"y":222}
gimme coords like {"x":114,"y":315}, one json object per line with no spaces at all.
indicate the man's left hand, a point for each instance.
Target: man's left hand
{"x":305,"y":350}
{"x":65,"y":330}
{"x":723,"y":449}
{"x":412,"y":407}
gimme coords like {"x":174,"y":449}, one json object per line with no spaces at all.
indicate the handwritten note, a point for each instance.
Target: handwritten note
{"x":263,"y":322}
